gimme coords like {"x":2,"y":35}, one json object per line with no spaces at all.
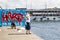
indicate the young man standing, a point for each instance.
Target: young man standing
{"x":28,"y":27}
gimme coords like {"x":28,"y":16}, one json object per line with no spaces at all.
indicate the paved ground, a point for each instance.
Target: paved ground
{"x":13,"y":34}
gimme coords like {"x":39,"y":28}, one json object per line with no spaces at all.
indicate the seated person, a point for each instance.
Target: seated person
{"x":13,"y":25}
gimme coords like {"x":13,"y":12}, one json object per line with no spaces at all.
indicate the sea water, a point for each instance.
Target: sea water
{"x":49,"y":30}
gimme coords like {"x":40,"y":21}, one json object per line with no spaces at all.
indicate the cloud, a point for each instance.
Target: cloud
{"x":33,"y":4}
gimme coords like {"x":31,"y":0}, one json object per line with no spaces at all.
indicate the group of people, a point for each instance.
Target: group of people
{"x":27,"y":25}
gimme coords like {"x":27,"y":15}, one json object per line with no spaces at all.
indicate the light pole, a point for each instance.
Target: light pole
{"x":26,"y":3}
{"x":0,"y":5}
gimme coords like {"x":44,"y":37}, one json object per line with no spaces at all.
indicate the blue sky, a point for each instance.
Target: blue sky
{"x":30,"y":4}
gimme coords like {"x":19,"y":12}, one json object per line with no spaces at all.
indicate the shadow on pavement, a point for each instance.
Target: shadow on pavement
{"x":17,"y":34}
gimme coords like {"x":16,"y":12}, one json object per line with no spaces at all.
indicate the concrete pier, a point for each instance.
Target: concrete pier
{"x":12,"y":34}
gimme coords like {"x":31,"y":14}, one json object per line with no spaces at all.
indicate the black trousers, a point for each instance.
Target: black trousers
{"x":27,"y":27}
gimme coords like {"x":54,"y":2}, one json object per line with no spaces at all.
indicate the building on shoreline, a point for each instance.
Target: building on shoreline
{"x":45,"y":14}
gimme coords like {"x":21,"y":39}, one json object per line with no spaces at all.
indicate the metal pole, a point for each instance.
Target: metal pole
{"x":26,"y":3}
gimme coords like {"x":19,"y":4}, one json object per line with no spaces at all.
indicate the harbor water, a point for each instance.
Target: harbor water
{"x":49,"y":30}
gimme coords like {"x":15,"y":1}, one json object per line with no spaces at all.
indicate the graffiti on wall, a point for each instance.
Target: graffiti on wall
{"x":12,"y":16}
{"x":17,"y":16}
